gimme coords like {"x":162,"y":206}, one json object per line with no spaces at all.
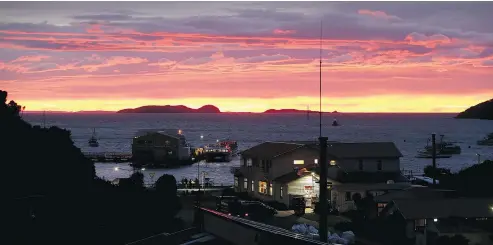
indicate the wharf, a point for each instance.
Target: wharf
{"x":109,"y":156}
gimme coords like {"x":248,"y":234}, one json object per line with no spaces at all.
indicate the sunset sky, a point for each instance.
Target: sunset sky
{"x":247,"y":56}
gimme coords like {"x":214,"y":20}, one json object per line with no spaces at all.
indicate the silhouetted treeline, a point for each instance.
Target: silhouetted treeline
{"x":474,"y":181}
{"x":52,"y":195}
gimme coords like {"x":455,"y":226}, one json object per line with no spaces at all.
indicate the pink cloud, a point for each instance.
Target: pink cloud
{"x":378,"y":14}
{"x":283,"y":32}
{"x":428,"y":41}
{"x":30,"y":58}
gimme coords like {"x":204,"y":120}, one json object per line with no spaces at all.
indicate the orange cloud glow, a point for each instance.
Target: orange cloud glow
{"x":246,"y":58}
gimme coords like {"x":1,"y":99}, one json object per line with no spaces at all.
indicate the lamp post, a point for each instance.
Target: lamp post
{"x":479,"y":157}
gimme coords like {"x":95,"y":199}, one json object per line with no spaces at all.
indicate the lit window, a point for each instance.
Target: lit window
{"x":262,"y":187}
{"x":280,"y":192}
{"x":316,"y":161}
{"x":249,"y":162}
{"x":253,"y":186}
{"x":236,"y":181}
{"x":299,"y":162}
{"x":332,"y":162}
{"x":270,"y":189}
{"x":245,"y":184}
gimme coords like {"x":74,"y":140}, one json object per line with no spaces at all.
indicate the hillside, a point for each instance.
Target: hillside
{"x":171,"y":109}
{"x":482,"y":110}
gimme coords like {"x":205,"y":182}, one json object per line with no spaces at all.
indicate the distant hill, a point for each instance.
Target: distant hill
{"x":482,"y":110}
{"x":171,"y":109}
{"x":289,"y":111}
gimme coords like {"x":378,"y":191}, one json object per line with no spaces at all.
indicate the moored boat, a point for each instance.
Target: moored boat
{"x":488,"y":140}
{"x":443,"y":147}
{"x":335,"y":123}
{"x":93,"y":141}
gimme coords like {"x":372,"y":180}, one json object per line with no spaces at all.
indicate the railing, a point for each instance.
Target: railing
{"x":166,"y":238}
{"x":245,"y":232}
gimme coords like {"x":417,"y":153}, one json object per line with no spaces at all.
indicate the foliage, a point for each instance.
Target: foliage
{"x":431,"y":172}
{"x":454,"y":240}
{"x":471,"y":181}
{"x":52,"y":194}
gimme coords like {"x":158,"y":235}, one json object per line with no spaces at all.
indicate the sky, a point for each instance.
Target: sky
{"x":247,"y":56}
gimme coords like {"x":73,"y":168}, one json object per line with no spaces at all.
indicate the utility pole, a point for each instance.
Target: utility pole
{"x":434,"y":158}
{"x":322,"y":231}
{"x":308,"y":112}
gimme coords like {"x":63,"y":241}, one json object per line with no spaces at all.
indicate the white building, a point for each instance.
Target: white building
{"x":277,"y":171}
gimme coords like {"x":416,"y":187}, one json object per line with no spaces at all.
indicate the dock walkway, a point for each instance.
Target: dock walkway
{"x":109,"y":156}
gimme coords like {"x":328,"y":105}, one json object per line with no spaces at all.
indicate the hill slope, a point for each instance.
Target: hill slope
{"x":482,"y":110}
{"x":171,"y":109}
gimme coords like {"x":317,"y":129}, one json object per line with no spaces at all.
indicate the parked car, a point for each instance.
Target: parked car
{"x":258,"y":210}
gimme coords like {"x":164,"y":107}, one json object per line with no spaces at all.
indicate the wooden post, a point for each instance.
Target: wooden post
{"x":322,"y":231}
{"x":434,"y":157}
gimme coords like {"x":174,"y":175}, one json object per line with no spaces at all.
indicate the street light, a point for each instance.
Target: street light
{"x":479,"y":157}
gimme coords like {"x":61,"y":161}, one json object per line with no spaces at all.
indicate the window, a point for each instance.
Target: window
{"x":270,"y":189}
{"x":299,"y":162}
{"x":332,"y":162}
{"x":315,"y":161}
{"x":379,"y":165}
{"x":253,"y":186}
{"x":236,"y":181}
{"x":249,"y":162}
{"x":280,"y":192}
{"x":348,"y":196}
{"x":245,"y":184}
{"x":262,"y":187}
{"x":360,"y":165}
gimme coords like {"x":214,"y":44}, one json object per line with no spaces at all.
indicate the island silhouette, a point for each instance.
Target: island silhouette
{"x":203,"y":109}
{"x":483,"y":110}
{"x":171,"y":109}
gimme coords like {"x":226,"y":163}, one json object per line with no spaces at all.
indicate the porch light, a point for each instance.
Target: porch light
{"x":143,"y":169}
{"x":435,"y":220}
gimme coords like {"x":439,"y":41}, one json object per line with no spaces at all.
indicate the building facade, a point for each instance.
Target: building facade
{"x":279,"y":171}
{"x":160,"y":146}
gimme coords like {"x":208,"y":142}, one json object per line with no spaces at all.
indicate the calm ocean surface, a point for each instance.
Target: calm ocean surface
{"x":408,"y":131}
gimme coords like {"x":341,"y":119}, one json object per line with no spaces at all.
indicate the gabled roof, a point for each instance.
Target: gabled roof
{"x":269,"y":150}
{"x":287,"y":178}
{"x":169,"y":132}
{"x":337,"y":149}
{"x":363,"y":150}
{"x":445,"y":208}
{"x":414,"y":192}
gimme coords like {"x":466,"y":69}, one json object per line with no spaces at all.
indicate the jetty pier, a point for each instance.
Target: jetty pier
{"x":109,"y":156}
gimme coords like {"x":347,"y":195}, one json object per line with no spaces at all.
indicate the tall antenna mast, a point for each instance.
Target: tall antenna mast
{"x":308,"y":112}
{"x":320,"y":96}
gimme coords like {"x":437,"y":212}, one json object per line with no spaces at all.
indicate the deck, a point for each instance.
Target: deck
{"x":109,"y":156}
